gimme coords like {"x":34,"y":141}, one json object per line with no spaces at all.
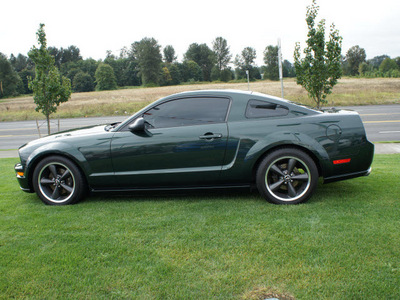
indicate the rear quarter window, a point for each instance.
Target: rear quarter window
{"x":265,"y":109}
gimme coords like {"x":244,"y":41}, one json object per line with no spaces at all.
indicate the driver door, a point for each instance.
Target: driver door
{"x":184,"y":145}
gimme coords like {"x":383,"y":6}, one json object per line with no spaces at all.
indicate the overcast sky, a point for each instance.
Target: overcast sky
{"x":97,"y":26}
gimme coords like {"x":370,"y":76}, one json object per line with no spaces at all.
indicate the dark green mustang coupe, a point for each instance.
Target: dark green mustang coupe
{"x":201,"y":139}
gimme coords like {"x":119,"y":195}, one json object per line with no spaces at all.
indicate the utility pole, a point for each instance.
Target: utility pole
{"x":280,"y":65}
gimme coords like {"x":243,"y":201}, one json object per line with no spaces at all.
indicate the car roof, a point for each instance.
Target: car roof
{"x":228,"y":93}
{"x":222,"y":92}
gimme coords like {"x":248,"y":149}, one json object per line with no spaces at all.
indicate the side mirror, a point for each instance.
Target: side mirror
{"x":139,"y":127}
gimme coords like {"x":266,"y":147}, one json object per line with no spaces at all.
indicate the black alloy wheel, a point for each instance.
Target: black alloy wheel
{"x":58,"y":181}
{"x":287,"y":176}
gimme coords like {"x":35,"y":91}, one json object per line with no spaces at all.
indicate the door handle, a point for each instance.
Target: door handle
{"x":210,"y":136}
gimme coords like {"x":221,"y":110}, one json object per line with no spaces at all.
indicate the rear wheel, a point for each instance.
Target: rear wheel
{"x":287,"y":176}
{"x":58,"y":181}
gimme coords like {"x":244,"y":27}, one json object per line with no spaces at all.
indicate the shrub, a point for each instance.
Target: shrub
{"x":105,"y":78}
{"x":226,"y":75}
{"x":82,"y":82}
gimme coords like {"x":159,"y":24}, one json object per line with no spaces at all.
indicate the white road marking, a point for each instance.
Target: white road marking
{"x":393,"y":131}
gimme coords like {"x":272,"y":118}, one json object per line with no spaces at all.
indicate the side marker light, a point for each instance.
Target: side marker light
{"x":341,"y":161}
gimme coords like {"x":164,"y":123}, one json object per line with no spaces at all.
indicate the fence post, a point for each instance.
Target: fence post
{"x":38,"y":128}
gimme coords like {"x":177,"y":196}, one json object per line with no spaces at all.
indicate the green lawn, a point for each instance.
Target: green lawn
{"x":343,"y":244}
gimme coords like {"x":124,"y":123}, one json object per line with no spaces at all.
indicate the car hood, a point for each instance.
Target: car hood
{"x":67,"y":134}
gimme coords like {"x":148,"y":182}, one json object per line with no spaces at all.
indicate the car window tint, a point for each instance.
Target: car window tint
{"x":188,"y":111}
{"x":264,"y":109}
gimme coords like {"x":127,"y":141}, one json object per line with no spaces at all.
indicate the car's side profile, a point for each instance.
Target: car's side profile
{"x":201,"y":139}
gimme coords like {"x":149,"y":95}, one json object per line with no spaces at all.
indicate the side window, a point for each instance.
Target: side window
{"x":264,"y":109}
{"x":188,"y":111}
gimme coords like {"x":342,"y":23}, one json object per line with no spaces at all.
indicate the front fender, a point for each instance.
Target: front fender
{"x":57,"y":148}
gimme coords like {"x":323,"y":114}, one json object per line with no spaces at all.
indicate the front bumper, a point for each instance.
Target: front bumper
{"x":22,"y":178}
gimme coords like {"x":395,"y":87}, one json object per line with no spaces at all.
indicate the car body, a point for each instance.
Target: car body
{"x":202,"y":139}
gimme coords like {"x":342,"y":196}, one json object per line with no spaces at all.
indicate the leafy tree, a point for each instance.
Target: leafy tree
{"x":109,"y":55}
{"x":203,"y":56}
{"x":354,"y":57}
{"x":288,"y":69}
{"x":175,"y":73}
{"x":72,"y":70}
{"x":131,"y":73}
{"x":71,"y":54}
{"x":25,"y":68}
{"x":377,"y":60}
{"x":124,"y":53}
{"x":169,"y":54}
{"x":64,"y":56}
{"x":21,"y":62}
{"x":226,"y":75}
{"x":105,"y":78}
{"x":49,"y":88}
{"x":215,"y":73}
{"x":244,"y":62}
{"x":387,"y":65}
{"x":82,"y":82}
{"x":118,"y":66}
{"x":320,"y":69}
{"x":57,"y":54}
{"x":190,"y":71}
{"x":222,"y":54}
{"x":166,"y":78}
{"x":249,"y":54}
{"x":397,"y":60}
{"x":88,"y":66}
{"x":9,"y":79}
{"x":271,"y":62}
{"x":25,"y":74}
{"x":125,"y":70}
{"x":363,"y":68}
{"x":147,"y":52}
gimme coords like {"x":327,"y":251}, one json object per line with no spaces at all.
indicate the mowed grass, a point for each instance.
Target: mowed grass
{"x":342,"y":244}
{"x":349,"y":91}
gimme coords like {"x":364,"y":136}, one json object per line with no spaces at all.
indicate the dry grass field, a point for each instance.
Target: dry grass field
{"x":349,"y":91}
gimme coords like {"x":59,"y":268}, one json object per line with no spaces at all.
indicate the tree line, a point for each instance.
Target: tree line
{"x":356,"y":64}
{"x":146,"y":63}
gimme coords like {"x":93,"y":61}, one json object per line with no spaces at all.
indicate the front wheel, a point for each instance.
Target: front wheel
{"x":58,"y":181}
{"x":287,"y":176}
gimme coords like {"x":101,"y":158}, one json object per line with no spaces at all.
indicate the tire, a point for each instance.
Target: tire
{"x":58,"y":181}
{"x":287,"y":176}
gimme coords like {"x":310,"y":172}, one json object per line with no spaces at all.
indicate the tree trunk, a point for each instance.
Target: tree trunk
{"x":48,"y":123}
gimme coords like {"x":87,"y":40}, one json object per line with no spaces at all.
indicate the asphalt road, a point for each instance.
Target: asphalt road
{"x":382,"y":123}
{"x":15,"y":134}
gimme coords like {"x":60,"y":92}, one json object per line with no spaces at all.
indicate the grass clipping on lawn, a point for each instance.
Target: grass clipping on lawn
{"x":349,"y":91}
{"x":342,"y":244}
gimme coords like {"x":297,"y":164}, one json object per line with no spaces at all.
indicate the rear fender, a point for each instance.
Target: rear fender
{"x":284,"y":139}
